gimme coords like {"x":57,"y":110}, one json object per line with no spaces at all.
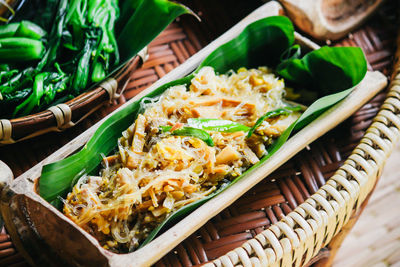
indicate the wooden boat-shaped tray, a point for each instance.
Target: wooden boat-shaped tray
{"x":37,"y":227}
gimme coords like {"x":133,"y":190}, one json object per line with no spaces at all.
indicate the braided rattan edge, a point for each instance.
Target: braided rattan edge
{"x":297,"y":238}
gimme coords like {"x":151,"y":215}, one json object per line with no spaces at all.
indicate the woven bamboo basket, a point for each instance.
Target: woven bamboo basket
{"x":63,"y":116}
{"x":60,"y":117}
{"x":303,"y":181}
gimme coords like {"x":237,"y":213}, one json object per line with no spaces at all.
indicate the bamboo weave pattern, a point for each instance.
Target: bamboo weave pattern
{"x":273,"y":198}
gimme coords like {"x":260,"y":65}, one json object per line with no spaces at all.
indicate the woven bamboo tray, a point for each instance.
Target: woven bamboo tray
{"x":307,"y":173}
{"x":60,"y":117}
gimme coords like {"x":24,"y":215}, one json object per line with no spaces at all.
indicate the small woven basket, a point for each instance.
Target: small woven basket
{"x":63,"y":116}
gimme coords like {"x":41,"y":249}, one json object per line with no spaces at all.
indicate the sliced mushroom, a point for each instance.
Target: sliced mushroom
{"x":133,"y":160}
{"x":206,"y":101}
{"x":277,"y":127}
{"x":139,"y":135}
{"x":221,"y":169}
{"x":227,"y":155}
{"x":207,"y":112}
{"x":250,"y":155}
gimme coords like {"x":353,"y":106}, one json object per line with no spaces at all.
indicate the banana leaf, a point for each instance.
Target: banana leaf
{"x":264,"y":42}
{"x":149,"y":18}
{"x":327,"y":69}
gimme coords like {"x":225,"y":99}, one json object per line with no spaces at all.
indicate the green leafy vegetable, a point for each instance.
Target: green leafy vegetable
{"x":55,"y":36}
{"x":8,"y":30}
{"x":194,"y":132}
{"x":38,"y":92}
{"x":20,"y":49}
{"x":165,"y":129}
{"x":225,"y":126}
{"x":272,"y":114}
{"x":22,"y":29}
{"x":266,"y":39}
{"x":190,"y":131}
{"x":10,"y":99}
{"x":82,"y":40}
{"x":29,"y":30}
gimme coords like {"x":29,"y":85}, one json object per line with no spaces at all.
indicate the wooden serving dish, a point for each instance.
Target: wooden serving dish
{"x":37,"y":227}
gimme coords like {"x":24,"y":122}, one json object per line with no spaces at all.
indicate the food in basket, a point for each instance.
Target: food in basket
{"x":321,"y":79}
{"x":186,"y":144}
{"x":79,"y":49}
{"x":64,"y":47}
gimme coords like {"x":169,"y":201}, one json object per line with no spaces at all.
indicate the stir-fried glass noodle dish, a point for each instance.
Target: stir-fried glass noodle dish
{"x":183,"y":146}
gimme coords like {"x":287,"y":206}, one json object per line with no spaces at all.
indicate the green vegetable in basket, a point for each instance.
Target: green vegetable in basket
{"x":24,"y":28}
{"x":81,"y":75}
{"x":20,"y":49}
{"x":29,"y":30}
{"x":81,"y":39}
{"x":55,"y":36}
{"x":20,"y":42}
{"x":16,"y":80}
{"x":10,"y":99}
{"x":45,"y":86}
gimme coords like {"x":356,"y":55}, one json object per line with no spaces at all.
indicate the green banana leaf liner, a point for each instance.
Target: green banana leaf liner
{"x":326,"y":76}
